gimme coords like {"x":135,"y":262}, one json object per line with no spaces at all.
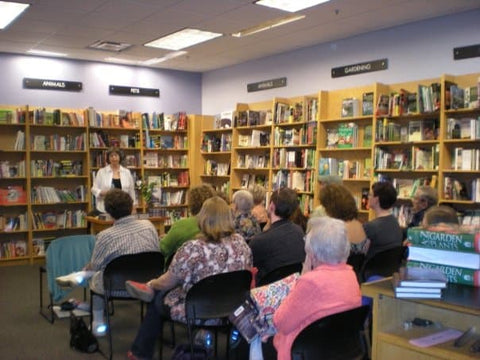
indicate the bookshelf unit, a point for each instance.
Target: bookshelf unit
{"x":14,"y":238}
{"x":344,"y":145}
{"x":459,"y":178}
{"x":215,"y":154}
{"x":251,"y":144}
{"x":58,"y":174}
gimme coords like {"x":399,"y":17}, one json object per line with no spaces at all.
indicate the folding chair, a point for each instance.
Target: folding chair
{"x":139,"y":267}
{"x":64,"y":255}
{"x":280,"y":273}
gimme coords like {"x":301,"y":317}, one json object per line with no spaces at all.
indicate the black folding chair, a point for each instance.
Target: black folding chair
{"x":279,"y":273}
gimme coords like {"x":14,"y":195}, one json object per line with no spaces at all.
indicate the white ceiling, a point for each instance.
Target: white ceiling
{"x":69,"y":26}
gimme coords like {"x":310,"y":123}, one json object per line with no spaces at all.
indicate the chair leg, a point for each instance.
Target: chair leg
{"x":50,"y":317}
{"x":109,"y":330}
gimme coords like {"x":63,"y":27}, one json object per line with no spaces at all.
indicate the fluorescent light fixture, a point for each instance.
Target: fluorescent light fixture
{"x":9,"y":12}
{"x":268,"y":25}
{"x":182,"y":39}
{"x":290,"y":5}
{"x":45,"y":53}
{"x":121,"y":61}
{"x":169,"y":56}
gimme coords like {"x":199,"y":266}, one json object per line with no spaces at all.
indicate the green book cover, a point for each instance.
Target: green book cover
{"x":465,"y":242}
{"x":454,"y":274}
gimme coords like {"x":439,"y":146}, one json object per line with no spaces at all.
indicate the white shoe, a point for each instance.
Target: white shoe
{"x":73,"y":279}
{"x":99,"y":329}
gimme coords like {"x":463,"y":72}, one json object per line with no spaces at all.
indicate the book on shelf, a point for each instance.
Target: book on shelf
{"x":367,"y":103}
{"x":418,"y":295}
{"x":418,"y":278}
{"x":350,"y":107}
{"x":367,"y":136}
{"x":454,"y":241}
{"x":382,"y":105}
{"x":446,"y":257}
{"x":457,"y":97}
{"x":415,"y":130}
{"x":454,"y":274}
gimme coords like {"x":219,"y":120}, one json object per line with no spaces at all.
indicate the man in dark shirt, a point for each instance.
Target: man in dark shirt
{"x":282,"y":244}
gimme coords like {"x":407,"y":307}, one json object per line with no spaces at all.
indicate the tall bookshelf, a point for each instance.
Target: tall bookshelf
{"x":344,"y":145}
{"x":216,"y":152}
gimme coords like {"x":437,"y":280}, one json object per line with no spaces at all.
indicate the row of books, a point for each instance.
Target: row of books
{"x":10,"y":169}
{"x":255,"y":139}
{"x":12,"y":194}
{"x":414,"y":158}
{"x":456,"y":189}
{"x":57,"y":142}
{"x":172,"y":198}
{"x":13,"y":223}
{"x":305,"y":135}
{"x":214,"y":168}
{"x":51,"y":195}
{"x":39,"y":168}
{"x":12,"y":116}
{"x":178,"y":142}
{"x":248,"y":180}
{"x":249,"y":161}
{"x":160,"y":121}
{"x":19,"y":141}
{"x":463,"y":128}
{"x":417,"y":130}
{"x":346,"y":169}
{"x":465,"y":159}
{"x":300,"y":158}
{"x":216,"y":143}
{"x":56,"y":117}
{"x":418,"y":283}
{"x":50,"y":220}
{"x":102,"y":139}
{"x":253,"y":118}
{"x":168,"y":179}
{"x":13,"y":249}
{"x":457,"y":97}
{"x":122,"y":119}
{"x":297,"y":180}
{"x":286,"y":113}
{"x":345,"y":136}
{"x":455,"y":253}
{"x":153,"y":159}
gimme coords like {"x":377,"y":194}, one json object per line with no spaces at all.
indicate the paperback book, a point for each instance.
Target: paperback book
{"x":419,"y":278}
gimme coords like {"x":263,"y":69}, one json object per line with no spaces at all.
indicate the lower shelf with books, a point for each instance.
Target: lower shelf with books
{"x":392,"y":329}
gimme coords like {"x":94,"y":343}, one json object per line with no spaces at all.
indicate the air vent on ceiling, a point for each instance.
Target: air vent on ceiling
{"x":109,"y":46}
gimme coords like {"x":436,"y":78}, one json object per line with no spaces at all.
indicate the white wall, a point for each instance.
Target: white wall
{"x":179,"y":91}
{"x":417,"y":51}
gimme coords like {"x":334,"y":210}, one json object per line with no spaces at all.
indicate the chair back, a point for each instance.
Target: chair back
{"x":218,"y":295}
{"x":65,"y":255}
{"x":384,"y":263}
{"x":279,"y":273}
{"x":140,"y":267}
{"x":334,"y":337}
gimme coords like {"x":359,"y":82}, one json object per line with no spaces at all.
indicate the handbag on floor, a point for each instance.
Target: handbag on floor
{"x":81,"y":338}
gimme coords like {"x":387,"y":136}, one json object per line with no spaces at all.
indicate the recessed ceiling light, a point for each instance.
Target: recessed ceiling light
{"x":121,"y":61}
{"x":268,"y":25}
{"x":290,"y":5}
{"x":9,"y":12}
{"x":45,"y":53}
{"x":169,"y":56}
{"x":182,"y":39}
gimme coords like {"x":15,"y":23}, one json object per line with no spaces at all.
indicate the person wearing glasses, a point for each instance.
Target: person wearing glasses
{"x":282,"y":244}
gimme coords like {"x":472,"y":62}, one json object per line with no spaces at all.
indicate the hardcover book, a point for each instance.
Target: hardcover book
{"x":454,"y":274}
{"x":445,"y":257}
{"x":367,"y":103}
{"x":467,"y":242}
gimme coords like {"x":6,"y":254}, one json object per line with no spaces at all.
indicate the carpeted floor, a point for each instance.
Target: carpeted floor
{"x":26,"y":335}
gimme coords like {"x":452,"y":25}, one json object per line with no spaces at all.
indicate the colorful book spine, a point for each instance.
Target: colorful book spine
{"x":465,"y":242}
{"x":454,"y":274}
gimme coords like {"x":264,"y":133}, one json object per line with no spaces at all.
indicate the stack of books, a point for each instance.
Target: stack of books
{"x":418,"y":283}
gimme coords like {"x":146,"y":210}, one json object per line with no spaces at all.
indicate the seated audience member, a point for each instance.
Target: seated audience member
{"x":127,"y":235}
{"x":299,"y":218}
{"x":259,"y":210}
{"x":339,"y":203}
{"x":216,"y":249}
{"x":440,"y":217}
{"x":425,"y":197}
{"x":324,"y":180}
{"x":327,"y":284}
{"x":384,"y":232}
{"x":245,"y":223}
{"x":186,"y":228}
{"x":282,"y":244}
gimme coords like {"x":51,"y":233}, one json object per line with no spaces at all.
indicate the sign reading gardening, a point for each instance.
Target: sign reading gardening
{"x":360,"y":68}
{"x":44,"y":84}
{"x":133,"y":91}
{"x":267,"y":84}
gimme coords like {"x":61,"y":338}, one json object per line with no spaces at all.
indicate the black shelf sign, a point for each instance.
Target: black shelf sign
{"x":466,"y":52}
{"x":133,"y":91}
{"x":267,"y":84}
{"x":360,"y":68}
{"x":45,"y":84}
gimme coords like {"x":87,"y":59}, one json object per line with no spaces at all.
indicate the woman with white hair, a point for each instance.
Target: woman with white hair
{"x":327,"y":284}
{"x":245,"y":223}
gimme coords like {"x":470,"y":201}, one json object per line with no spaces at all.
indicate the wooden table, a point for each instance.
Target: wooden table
{"x":97,"y":225}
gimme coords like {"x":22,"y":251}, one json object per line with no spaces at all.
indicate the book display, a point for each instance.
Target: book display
{"x":216,"y":151}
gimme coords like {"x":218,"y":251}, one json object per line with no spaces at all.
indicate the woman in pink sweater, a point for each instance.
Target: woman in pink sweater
{"x":327,"y":284}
